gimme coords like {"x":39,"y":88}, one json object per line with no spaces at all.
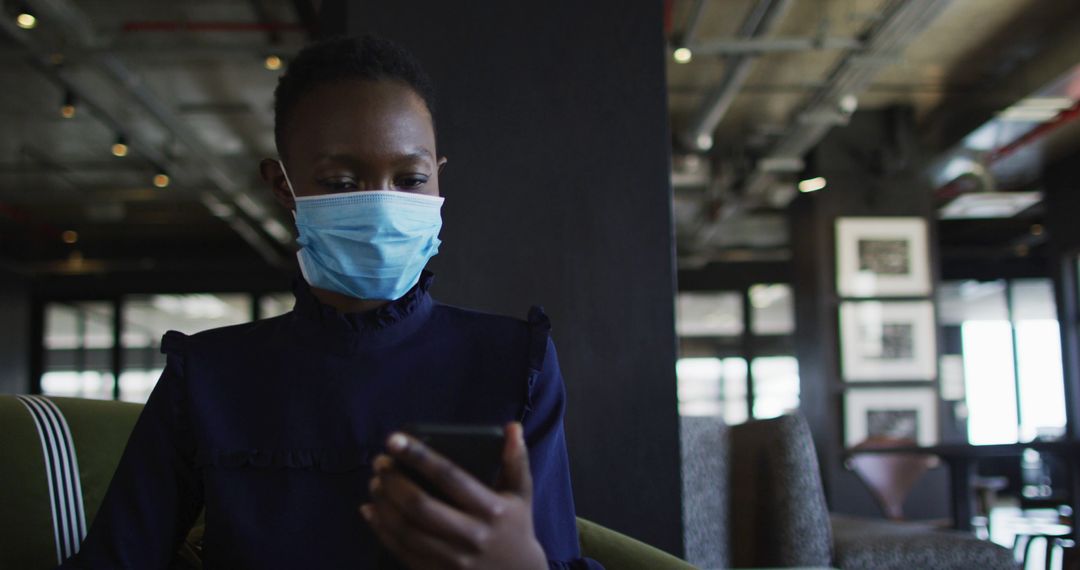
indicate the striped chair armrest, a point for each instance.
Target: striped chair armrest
{"x":57,"y":456}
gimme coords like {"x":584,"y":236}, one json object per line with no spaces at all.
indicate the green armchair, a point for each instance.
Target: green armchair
{"x":57,"y":456}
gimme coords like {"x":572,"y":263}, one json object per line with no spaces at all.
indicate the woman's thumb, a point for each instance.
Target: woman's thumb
{"x":516,"y":477}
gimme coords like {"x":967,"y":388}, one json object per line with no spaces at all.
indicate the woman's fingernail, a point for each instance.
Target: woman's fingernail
{"x":374,"y":484}
{"x":366,"y":511}
{"x":397,"y":442}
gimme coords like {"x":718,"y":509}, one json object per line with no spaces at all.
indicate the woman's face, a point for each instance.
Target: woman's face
{"x":357,"y":135}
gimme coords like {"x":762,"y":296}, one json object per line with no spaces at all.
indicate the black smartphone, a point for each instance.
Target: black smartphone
{"x":475,"y":448}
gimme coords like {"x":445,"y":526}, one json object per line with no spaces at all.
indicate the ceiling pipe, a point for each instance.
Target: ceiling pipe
{"x":188,"y":26}
{"x":759,"y":46}
{"x":978,"y":176}
{"x":832,"y":105}
{"x":75,"y":23}
{"x":693,"y":19}
{"x":762,"y":19}
{"x":1037,"y":132}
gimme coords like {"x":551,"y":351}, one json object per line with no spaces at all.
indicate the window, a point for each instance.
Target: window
{"x":773,"y":308}
{"x":709,"y":314}
{"x":148,"y":317}
{"x":78,"y":348}
{"x":736,"y":353}
{"x":776,"y":386}
{"x":1008,"y":337}
{"x":275,"y":304}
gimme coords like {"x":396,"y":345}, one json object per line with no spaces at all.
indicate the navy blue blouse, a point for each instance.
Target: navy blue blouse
{"x":273,"y":425}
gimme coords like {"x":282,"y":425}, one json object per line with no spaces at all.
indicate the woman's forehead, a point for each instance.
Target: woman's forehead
{"x":361,"y":118}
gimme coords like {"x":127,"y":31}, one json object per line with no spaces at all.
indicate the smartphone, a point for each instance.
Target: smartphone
{"x":475,"y":448}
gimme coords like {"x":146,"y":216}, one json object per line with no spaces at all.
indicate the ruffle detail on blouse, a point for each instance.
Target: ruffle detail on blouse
{"x":385,"y":316}
{"x":175,"y":343}
{"x":539,"y":333}
{"x":326,"y":460}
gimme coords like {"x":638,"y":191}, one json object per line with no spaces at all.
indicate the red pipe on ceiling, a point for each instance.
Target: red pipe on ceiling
{"x":1036,"y":133}
{"x":20,"y":216}
{"x":955,"y":187}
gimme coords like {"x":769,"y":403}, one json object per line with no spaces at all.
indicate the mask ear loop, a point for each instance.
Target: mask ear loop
{"x":299,"y":258}
{"x":289,"y":184}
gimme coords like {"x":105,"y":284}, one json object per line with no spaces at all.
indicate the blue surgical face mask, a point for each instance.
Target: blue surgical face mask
{"x":371,"y":244}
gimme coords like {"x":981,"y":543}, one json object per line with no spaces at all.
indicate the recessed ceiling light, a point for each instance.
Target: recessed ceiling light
{"x":272,"y":62}
{"x":26,"y":20}
{"x":849,"y":103}
{"x":120,"y":147}
{"x":683,"y":55}
{"x":67,"y":110}
{"x":985,"y":205}
{"x":161,"y":180}
{"x":704,"y":141}
{"x":812,"y":185}
{"x":70,"y":236}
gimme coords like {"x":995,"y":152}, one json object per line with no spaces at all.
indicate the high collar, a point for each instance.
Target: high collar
{"x":353,"y":331}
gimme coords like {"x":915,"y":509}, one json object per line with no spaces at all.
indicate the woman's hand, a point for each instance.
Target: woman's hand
{"x":482,"y":528}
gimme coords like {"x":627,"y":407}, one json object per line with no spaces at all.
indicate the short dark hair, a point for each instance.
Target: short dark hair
{"x":343,"y":58}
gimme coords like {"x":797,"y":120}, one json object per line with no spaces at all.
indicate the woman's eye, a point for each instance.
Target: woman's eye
{"x":338,"y":184}
{"x":412,"y":181}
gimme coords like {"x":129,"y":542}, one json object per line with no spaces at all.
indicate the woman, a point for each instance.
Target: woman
{"x":277,"y":427}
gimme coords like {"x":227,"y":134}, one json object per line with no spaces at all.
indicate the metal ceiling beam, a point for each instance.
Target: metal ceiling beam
{"x":832,"y":104}
{"x":97,"y":195}
{"x":693,"y":20}
{"x":759,"y":46}
{"x":762,"y":19}
{"x":76,"y":25}
{"x":248,"y":52}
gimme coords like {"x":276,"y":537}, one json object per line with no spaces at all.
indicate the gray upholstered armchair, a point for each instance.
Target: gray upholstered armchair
{"x":753,"y":498}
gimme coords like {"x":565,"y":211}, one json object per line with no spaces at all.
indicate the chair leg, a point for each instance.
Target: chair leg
{"x":1020,"y":544}
{"x":1027,"y":550}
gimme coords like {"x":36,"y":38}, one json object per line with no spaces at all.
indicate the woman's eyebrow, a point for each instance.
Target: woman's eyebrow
{"x":409,"y":154}
{"x":419,"y":152}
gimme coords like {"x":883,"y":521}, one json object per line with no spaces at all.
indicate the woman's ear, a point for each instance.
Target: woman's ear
{"x":441,"y":162}
{"x":274,"y":176}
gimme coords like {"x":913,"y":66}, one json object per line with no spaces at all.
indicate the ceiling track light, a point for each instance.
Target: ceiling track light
{"x":24,"y":19}
{"x":67,"y":110}
{"x":120,"y":147}
{"x":812,"y":185}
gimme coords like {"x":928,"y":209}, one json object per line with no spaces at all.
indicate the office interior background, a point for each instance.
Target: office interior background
{"x":861,"y":211}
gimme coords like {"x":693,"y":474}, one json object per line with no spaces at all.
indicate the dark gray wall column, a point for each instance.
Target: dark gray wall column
{"x":1062,"y":183}
{"x":553,"y":114}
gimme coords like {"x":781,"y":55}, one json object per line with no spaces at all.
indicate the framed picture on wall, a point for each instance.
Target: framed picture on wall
{"x":887,"y":340}
{"x":882,"y":257}
{"x":896,"y":413}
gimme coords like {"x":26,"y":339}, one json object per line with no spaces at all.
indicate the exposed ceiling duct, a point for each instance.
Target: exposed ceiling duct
{"x":762,"y":19}
{"x":833,"y":103}
{"x":247,"y":216}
